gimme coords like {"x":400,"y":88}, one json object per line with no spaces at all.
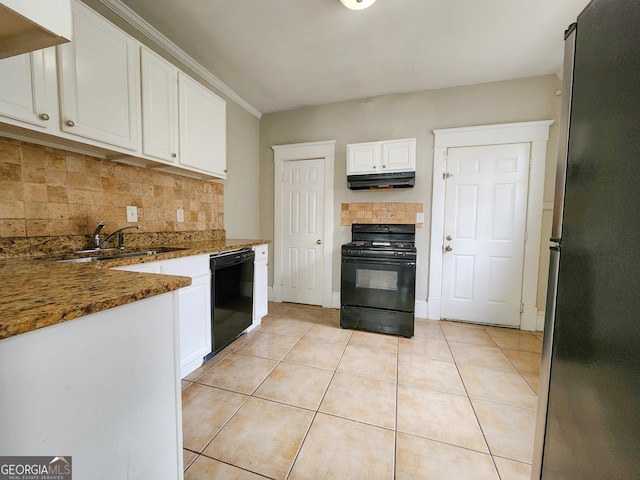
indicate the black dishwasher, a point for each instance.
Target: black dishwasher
{"x":231,"y":297}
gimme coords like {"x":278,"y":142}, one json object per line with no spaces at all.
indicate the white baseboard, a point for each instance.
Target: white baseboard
{"x":335,"y":300}
{"x":422,"y":309}
{"x":529,"y":318}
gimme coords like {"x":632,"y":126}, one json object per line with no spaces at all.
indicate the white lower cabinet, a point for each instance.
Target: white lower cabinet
{"x":194,"y":304}
{"x":260,"y":288}
{"x":103,"y":388}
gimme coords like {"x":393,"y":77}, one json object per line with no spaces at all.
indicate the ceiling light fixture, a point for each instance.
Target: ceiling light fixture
{"x":357,"y":4}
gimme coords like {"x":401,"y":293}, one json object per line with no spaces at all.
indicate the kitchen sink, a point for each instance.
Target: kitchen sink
{"x":83,"y":256}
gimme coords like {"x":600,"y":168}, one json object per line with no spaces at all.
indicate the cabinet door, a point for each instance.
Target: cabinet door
{"x":260,"y":287}
{"x":363,"y":158}
{"x":159,"y":107}
{"x":194,"y":309}
{"x":203,"y":134}
{"x":99,"y":81}
{"x":195,"y":323}
{"x":23,"y":89}
{"x":399,"y":155}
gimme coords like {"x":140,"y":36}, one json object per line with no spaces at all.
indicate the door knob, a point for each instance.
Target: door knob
{"x":448,"y":248}
{"x":318,"y":242}
{"x":449,"y":237}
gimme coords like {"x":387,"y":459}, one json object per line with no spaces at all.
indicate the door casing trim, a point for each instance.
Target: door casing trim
{"x":535,"y":133}
{"x":324,"y":150}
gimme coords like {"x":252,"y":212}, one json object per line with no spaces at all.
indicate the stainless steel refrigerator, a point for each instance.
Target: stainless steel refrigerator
{"x":588,"y":424}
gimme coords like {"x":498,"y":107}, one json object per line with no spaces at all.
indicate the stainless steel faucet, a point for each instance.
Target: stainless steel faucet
{"x":96,"y":234}
{"x":118,"y":232}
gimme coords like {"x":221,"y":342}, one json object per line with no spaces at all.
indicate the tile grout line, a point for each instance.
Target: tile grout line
{"x":484,"y":436}
{"x":317,"y":410}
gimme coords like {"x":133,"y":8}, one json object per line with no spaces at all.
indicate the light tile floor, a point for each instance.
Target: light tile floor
{"x":301,"y":398}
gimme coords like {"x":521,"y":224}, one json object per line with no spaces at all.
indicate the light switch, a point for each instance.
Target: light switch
{"x":132,"y":214}
{"x":180,"y":215}
{"x":420,"y":217}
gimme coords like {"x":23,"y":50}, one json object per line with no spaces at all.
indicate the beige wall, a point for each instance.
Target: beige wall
{"x":401,"y":116}
{"x":241,"y":192}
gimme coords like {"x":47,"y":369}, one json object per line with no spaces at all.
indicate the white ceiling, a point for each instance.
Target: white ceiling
{"x":282,"y":54}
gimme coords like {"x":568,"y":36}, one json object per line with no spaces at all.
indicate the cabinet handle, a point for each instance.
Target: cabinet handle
{"x":44,"y":116}
{"x":70,"y":123}
{"x":173,"y":155}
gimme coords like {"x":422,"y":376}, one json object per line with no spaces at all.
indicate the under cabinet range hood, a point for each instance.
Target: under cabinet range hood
{"x":373,"y":181}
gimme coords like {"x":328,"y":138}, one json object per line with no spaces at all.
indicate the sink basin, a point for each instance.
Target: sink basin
{"x":84,"y":256}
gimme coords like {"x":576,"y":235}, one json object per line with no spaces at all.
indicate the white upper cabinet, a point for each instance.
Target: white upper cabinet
{"x":203,"y":133}
{"x":183,"y":123}
{"x":159,"y":107}
{"x":27,"y":92}
{"x":364,"y":158}
{"x":381,"y":157}
{"x":106,"y":91}
{"x":29,"y":25}
{"x":99,"y":82}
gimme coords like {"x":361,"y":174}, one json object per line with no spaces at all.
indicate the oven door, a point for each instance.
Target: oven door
{"x":378,"y":283}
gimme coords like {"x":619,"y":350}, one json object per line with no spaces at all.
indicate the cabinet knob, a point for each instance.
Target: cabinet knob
{"x":225,"y":170}
{"x":44,"y":116}
{"x":374,"y":167}
{"x":173,"y":155}
{"x":70,"y":123}
{"x":384,"y":166}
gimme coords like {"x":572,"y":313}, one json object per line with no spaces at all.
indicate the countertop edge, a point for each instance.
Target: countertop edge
{"x":102,"y":287}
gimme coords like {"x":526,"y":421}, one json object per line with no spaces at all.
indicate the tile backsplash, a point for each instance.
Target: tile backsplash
{"x":45,"y":191}
{"x":380,"y":212}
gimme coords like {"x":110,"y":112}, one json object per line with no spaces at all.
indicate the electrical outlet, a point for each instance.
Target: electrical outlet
{"x":132,"y":214}
{"x":420,"y":217}
{"x":180,"y":215}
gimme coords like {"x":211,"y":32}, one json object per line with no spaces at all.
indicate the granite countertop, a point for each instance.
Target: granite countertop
{"x":37,"y":292}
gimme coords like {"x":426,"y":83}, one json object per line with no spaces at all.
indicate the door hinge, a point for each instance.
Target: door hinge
{"x":446,"y":175}
{"x":526,"y":236}
{"x":522,"y":308}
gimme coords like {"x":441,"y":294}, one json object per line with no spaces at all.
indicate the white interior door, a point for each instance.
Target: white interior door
{"x":484,"y":230}
{"x":303,"y":218}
